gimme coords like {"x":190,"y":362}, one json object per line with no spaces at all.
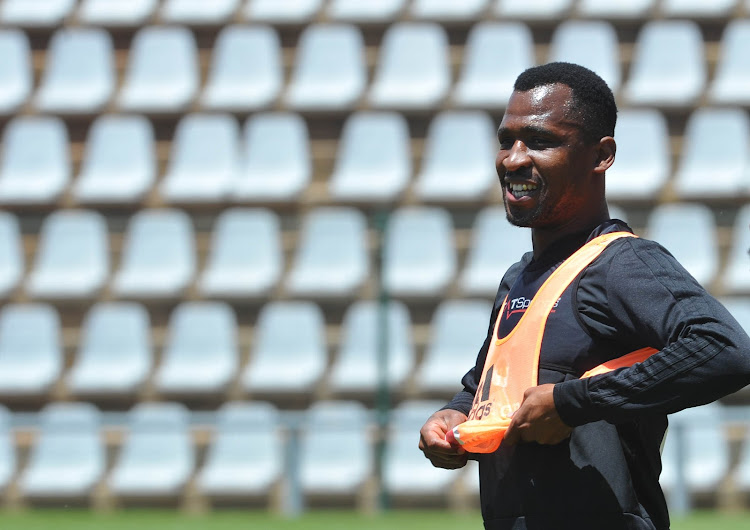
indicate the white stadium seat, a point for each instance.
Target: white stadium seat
{"x":373,"y":161}
{"x":485,"y":82}
{"x":356,"y":367}
{"x":668,"y":69}
{"x":200,"y":354}
{"x":204,"y":159}
{"x":245,"y":255}
{"x":35,"y":166}
{"x":282,"y":11}
{"x":158,"y":258}
{"x":732,"y":75}
{"x":116,"y":13}
{"x":365,"y":12}
{"x":72,"y":259}
{"x":31,"y":356}
{"x":119,"y":160}
{"x":457,"y":158}
{"x":69,"y":456}
{"x":329,"y":70}
{"x":420,"y":257}
{"x":229,"y":468}
{"x":79,"y":74}
{"x":285,"y":362}
{"x":245,"y":71}
{"x":35,"y":13}
{"x":198,"y":12}
{"x":114,"y":356}
{"x":12,"y":262}
{"x":157,"y":456}
{"x":16,"y":75}
{"x":412,"y":71}
{"x":162,"y":74}
{"x":332,"y":258}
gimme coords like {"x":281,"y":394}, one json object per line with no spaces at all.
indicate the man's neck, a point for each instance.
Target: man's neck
{"x":543,"y":238}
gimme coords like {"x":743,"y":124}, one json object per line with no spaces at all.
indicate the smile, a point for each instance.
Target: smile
{"x":521,"y":190}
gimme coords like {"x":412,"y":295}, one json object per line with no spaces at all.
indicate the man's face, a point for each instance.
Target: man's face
{"x":543,"y":163}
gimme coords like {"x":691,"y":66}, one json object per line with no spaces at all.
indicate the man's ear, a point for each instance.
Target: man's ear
{"x":605,"y":154}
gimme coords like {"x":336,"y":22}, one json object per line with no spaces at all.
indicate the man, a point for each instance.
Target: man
{"x":585,"y":453}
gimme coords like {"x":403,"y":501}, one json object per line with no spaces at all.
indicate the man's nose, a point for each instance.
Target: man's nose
{"x":518,"y":157}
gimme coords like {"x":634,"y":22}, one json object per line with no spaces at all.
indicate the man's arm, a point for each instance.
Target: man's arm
{"x":648,"y":296}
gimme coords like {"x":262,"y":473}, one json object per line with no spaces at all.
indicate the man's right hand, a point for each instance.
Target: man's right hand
{"x":432,"y":439}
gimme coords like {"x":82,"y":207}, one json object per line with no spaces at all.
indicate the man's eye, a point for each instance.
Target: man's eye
{"x":506,"y":143}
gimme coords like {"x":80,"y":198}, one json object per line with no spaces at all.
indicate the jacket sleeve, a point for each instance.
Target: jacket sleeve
{"x":642,"y":296}
{"x":463,"y":400}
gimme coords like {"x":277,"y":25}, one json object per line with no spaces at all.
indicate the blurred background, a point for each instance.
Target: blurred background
{"x":248,"y":246}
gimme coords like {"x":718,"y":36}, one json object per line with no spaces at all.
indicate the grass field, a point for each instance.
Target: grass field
{"x":60,"y":519}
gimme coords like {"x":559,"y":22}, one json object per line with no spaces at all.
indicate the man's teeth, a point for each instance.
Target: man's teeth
{"x":521,"y":190}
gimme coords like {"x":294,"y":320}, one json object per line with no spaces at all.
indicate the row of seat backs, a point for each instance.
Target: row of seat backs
{"x":336,"y":442}
{"x":157,"y":455}
{"x":269,"y":159}
{"x":129,"y":13}
{"x":200,"y":355}
{"x":332,"y":257}
{"x":201,"y":351}
{"x":330,"y":71}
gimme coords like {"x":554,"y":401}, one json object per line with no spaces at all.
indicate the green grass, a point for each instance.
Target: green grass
{"x":78,"y":519}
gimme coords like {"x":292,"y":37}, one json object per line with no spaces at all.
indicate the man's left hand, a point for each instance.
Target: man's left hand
{"x":537,"y":420}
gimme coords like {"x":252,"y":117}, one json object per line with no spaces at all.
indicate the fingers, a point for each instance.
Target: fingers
{"x":433,"y":444}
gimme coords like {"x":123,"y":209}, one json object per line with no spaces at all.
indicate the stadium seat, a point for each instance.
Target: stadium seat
{"x":485,"y":82}
{"x":204,"y":159}
{"x":335,"y":455}
{"x":710,"y":131}
{"x":448,"y":10}
{"x":355,"y":368}
{"x":198,"y":12}
{"x":200,"y":354}
{"x":72,"y":258}
{"x":406,"y":472}
{"x":12,"y":261}
{"x":592,"y":44}
{"x":115,"y":13}
{"x":35,"y":13}
{"x":16,"y":73}
{"x":158,"y":258}
{"x":162,"y":72}
{"x":157,"y":455}
{"x":419,"y":251}
{"x":282,"y":362}
{"x":739,"y":307}
{"x":329,"y":70}
{"x":79,"y":74}
{"x":643,"y":162}
{"x":668,"y":69}
{"x":245,"y":257}
{"x":707,"y":453}
{"x":457,"y":331}
{"x":119,"y":161}
{"x":245,"y":71}
{"x":616,"y":9}
{"x":413,"y":68}
{"x":68,"y":458}
{"x":7,"y":449}
{"x":230,"y":470}
{"x":373,"y":162}
{"x":114,"y":355}
{"x":332,"y":256}
{"x":282,"y":11}
{"x":35,"y":166}
{"x":732,"y":75}
{"x":457,"y":158}
{"x":736,"y":277}
{"x":688,"y":231}
{"x":533,"y":9}
{"x":30,"y":349}
{"x":495,"y":246}
{"x":277,"y":165}
{"x":365,"y":12}
{"x":698,"y":8}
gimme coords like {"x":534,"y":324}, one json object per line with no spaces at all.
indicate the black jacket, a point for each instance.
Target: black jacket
{"x":606,"y":476}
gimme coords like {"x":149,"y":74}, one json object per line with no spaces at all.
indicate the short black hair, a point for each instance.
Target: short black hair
{"x":593,"y":102}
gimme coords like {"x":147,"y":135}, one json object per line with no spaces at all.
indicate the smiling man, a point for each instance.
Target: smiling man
{"x":616,"y":335}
